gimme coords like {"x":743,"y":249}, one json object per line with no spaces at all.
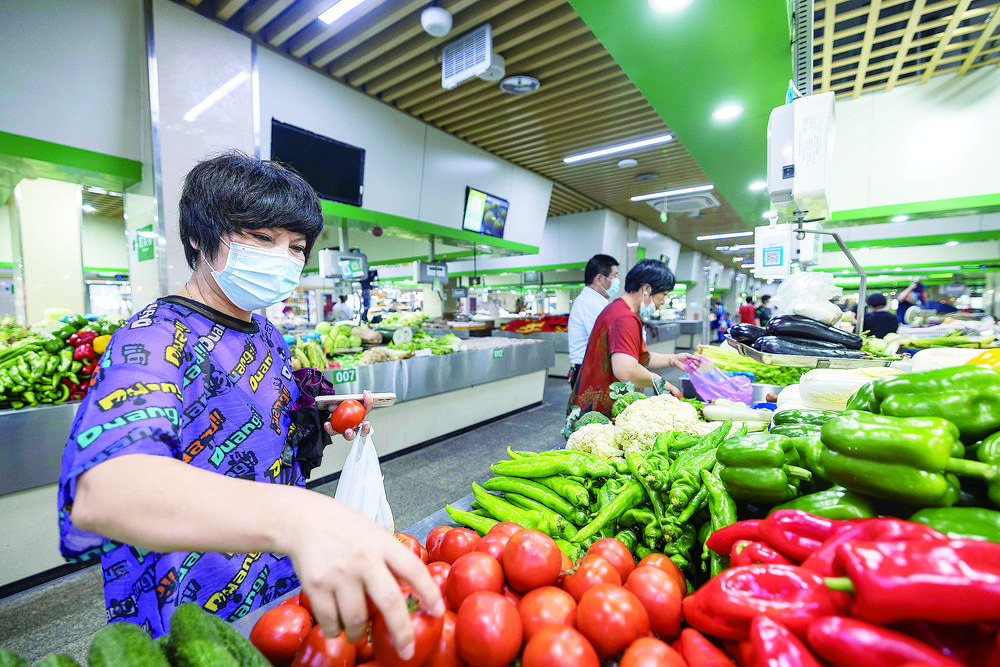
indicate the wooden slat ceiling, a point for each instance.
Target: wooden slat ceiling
{"x":105,"y":205}
{"x":863,"y":46}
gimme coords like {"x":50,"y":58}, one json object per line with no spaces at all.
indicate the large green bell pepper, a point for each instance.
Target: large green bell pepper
{"x":962,"y":522}
{"x":758,"y":468}
{"x":802,"y":416}
{"x":909,"y":460}
{"x":797,"y":430}
{"x":833,"y":503}
{"x":864,"y":398}
{"x":968,"y":396}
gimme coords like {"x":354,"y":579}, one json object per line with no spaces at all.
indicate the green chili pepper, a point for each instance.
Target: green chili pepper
{"x":637,"y":465}
{"x":723,"y":512}
{"x":962,"y":522}
{"x":546,"y":466}
{"x":636,"y":517}
{"x":543,"y":495}
{"x":480,"y":524}
{"x":833,"y":503}
{"x":641,"y":551}
{"x":685,"y":475}
{"x":541,"y":511}
{"x":628,"y":538}
{"x":629,"y":496}
{"x":573,"y":491}
{"x":573,"y":551}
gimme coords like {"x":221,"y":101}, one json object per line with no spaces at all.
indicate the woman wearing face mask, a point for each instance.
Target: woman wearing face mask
{"x":616,"y":351}
{"x":177,"y":471}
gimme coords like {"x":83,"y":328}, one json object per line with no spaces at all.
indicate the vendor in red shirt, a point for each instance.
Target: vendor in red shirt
{"x":616,"y":351}
{"x":748,"y":314}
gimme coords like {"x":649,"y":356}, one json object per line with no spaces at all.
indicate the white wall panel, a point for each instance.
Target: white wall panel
{"x":104,"y":243}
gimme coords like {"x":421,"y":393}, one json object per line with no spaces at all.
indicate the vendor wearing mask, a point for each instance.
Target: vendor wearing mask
{"x":177,"y":472}
{"x":601,"y":284}
{"x":616,"y":351}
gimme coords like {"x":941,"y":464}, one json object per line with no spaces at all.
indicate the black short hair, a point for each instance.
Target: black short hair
{"x":598,"y":265}
{"x":233,"y":191}
{"x":876,"y":300}
{"x":749,"y":299}
{"x":652,"y":272}
{"x":765,"y":298}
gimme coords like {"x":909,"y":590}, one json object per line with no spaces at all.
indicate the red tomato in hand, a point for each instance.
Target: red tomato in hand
{"x":668,"y":566}
{"x":658,"y":593}
{"x":559,"y":646}
{"x":616,"y":553}
{"x":649,"y":652}
{"x":348,"y":415}
{"x":531,"y":559}
{"x":488,"y":630}
{"x":457,"y":542}
{"x":318,"y":651}
{"x":592,"y":571}
{"x":426,"y":632}
{"x":279,"y":632}
{"x":493,"y":544}
{"x":507,"y":528}
{"x":543,"y":606}
{"x":474,"y":571}
{"x":411,"y":543}
{"x":445,"y":654}
{"x":611,"y":618}
{"x":439,"y":573}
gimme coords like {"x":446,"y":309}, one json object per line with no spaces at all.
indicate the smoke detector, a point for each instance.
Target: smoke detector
{"x":692,"y":204}
{"x":468,"y":56}
{"x":496,"y":70}
{"x":520,"y":84}
{"x":436,"y":21}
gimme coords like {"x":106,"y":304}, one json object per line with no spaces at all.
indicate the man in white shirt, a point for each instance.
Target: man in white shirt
{"x":342,"y":311}
{"x":601,"y":283}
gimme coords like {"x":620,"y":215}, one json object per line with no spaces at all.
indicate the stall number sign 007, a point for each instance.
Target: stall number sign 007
{"x":345,"y":375}
{"x":498,"y":353}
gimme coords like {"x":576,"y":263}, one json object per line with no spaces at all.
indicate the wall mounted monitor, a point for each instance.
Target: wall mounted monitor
{"x":335,"y":170}
{"x":484,"y":213}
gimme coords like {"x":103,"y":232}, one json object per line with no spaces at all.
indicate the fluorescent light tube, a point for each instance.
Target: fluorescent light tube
{"x":338,"y":9}
{"x":758,"y":185}
{"x":674,"y":193}
{"x":642,"y":143}
{"x":730,"y":235}
{"x":89,"y":209}
{"x":216,"y":95}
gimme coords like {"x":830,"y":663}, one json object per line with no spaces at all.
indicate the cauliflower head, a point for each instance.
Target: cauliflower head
{"x":638,"y":425}
{"x":596,"y":439}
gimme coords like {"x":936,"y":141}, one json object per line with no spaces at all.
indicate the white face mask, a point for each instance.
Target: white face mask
{"x":647,"y":310}
{"x":613,"y":289}
{"x":255,"y":278}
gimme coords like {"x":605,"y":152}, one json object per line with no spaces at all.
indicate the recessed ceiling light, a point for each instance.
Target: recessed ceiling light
{"x":667,"y":6}
{"x":729,"y":235}
{"x":863,"y":249}
{"x":899,"y":218}
{"x":648,"y":176}
{"x":673,"y":193}
{"x":747,"y":265}
{"x":728,"y":112}
{"x":338,"y":9}
{"x":951,"y":243}
{"x":97,"y":191}
{"x":758,"y":185}
{"x":520,"y":84}
{"x":898,"y":268}
{"x":738,"y":259}
{"x":627,"y":162}
{"x":632,"y":244}
{"x":89,"y":209}
{"x":621,"y":148}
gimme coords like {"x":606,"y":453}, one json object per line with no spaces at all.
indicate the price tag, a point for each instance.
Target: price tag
{"x":345,"y":375}
{"x":498,"y":353}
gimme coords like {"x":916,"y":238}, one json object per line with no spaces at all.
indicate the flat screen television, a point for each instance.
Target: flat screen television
{"x":334,"y":169}
{"x":484,"y":213}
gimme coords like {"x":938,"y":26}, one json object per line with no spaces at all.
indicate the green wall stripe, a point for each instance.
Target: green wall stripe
{"x":419,"y":227}
{"x":28,"y":148}
{"x":933,"y":239}
{"x":939,"y":207}
{"x":104,"y":269}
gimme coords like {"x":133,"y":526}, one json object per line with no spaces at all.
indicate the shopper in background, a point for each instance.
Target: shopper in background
{"x":914,"y":295}
{"x":343,"y":310}
{"x":179,"y":471}
{"x":616,"y":351}
{"x":600,"y":279}
{"x":879,"y":321}
{"x":748,"y":314}
{"x":764,"y":311}
{"x":719,"y":323}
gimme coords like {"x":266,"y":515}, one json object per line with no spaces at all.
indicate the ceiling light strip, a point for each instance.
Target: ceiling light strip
{"x":642,"y":143}
{"x":674,"y":193}
{"x":729,"y":235}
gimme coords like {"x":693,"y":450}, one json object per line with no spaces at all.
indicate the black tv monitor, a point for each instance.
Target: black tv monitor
{"x":335,"y":170}
{"x":484,"y":213}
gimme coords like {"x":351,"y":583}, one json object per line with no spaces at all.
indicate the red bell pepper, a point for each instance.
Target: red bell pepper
{"x":960,"y":642}
{"x":84,"y":352}
{"x":773,"y":645}
{"x":697,"y":650}
{"x":745,"y":552}
{"x":81,"y":338}
{"x":798,"y":534}
{"x":822,"y":561}
{"x":846,"y":641}
{"x":722,"y":540}
{"x":89,"y":370}
{"x":946,"y":581}
{"x":786,"y":593}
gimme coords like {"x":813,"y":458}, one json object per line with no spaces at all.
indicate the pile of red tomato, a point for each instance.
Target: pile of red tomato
{"x":510,"y":593}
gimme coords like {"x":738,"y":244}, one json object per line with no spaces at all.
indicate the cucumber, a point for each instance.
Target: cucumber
{"x":11,"y":659}
{"x":201,"y":653}
{"x":124,"y":644}
{"x":57,"y":660}
{"x":191,"y":623}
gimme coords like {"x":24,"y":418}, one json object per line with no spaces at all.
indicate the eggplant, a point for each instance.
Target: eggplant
{"x":746,"y":333}
{"x":804,"y":327}
{"x":777,"y":345}
{"x":808,"y":342}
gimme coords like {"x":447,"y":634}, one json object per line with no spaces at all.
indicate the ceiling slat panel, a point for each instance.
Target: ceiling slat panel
{"x":324,"y":49}
{"x":262,"y":12}
{"x":224,"y":9}
{"x":990,"y":31}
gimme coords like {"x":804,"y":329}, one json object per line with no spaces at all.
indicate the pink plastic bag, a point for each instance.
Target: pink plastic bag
{"x":712,"y":383}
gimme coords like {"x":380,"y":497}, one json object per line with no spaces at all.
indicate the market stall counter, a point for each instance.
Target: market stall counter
{"x":691,"y":333}
{"x":560,"y":343}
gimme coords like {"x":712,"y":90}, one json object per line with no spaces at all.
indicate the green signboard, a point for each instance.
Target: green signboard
{"x":144,"y":244}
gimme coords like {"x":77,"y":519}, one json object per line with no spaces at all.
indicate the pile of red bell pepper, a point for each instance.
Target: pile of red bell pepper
{"x":881,"y":592}
{"x":526,"y":325}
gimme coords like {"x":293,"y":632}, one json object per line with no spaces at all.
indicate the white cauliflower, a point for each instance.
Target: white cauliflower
{"x":638,"y":425}
{"x":598,"y":439}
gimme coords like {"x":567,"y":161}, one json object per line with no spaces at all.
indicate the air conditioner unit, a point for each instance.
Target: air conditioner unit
{"x":467,"y":57}
{"x":692,"y":204}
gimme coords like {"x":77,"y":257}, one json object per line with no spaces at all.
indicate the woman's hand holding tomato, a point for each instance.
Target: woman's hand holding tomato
{"x":348,"y":416}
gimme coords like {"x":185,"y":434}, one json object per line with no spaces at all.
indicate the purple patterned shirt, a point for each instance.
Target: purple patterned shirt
{"x":185,"y":381}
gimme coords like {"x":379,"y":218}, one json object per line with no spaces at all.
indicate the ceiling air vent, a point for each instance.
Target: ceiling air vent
{"x":468,"y":56}
{"x":692,"y":204}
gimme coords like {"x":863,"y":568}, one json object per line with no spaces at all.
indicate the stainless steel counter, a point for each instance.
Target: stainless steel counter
{"x":33,"y":445}
{"x":661,"y":332}
{"x":560,"y":339}
{"x":692,"y":332}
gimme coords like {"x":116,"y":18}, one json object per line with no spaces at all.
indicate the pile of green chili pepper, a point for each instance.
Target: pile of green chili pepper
{"x":665,"y":500}
{"x":53,"y":365}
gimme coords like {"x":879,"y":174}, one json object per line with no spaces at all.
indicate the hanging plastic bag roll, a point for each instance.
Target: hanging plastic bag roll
{"x":361,"y":485}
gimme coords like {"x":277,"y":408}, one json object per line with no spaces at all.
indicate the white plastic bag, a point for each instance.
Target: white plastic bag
{"x":809,"y":294}
{"x":361,"y":484}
